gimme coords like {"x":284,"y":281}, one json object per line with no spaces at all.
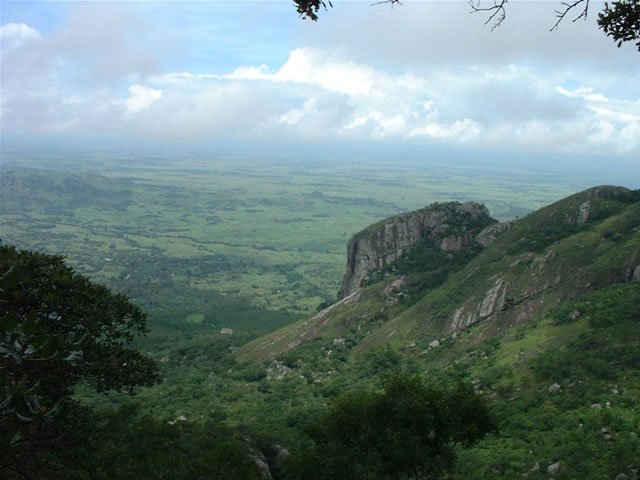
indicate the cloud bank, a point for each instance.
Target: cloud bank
{"x":78,"y":79}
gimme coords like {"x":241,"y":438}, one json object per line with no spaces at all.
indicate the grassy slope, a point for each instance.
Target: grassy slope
{"x":595,"y":361}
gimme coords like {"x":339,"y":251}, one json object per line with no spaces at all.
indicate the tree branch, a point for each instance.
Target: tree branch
{"x":560,"y":14}
{"x":381,"y":2}
{"x":498,"y":12}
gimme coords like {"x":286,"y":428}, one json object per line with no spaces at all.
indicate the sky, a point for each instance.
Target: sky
{"x":421,"y":73}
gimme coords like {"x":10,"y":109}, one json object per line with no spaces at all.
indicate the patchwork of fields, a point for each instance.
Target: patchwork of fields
{"x":236,"y":241}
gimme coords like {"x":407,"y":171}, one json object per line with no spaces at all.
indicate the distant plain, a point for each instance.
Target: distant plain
{"x":241,"y":240}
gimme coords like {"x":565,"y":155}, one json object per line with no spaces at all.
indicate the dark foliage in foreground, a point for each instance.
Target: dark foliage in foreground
{"x":57,"y":330}
{"x":410,"y":429}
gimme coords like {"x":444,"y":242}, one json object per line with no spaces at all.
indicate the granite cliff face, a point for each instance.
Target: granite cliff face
{"x":451,"y":227}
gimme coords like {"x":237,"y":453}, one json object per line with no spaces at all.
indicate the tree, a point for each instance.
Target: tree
{"x":621,"y":20}
{"x":410,"y":429}
{"x":57,"y":330}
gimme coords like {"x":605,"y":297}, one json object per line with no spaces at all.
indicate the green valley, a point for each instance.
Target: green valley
{"x":239,"y":268}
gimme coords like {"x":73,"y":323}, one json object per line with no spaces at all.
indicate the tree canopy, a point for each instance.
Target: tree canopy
{"x":58,"y":329}
{"x":410,"y":429}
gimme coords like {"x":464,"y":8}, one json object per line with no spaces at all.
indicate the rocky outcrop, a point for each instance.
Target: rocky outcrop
{"x":531,"y":290}
{"x":449,"y":226}
{"x":493,"y":302}
{"x":636,"y":274}
{"x":489,"y":234}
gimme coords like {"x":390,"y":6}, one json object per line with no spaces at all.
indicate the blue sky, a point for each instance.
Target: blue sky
{"x":421,"y":73}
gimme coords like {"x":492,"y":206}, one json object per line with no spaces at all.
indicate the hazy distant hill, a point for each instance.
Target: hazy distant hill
{"x":53,"y":192}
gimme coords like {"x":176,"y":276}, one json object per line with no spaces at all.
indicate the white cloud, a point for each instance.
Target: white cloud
{"x":630,"y":136}
{"x":16,"y":34}
{"x":312,"y":66}
{"x":305,"y":65}
{"x":461,"y":131}
{"x":617,"y":116}
{"x":318,"y":96}
{"x":141,"y":97}
{"x":426,"y":79}
{"x":582,"y":92}
{"x":293,"y":116}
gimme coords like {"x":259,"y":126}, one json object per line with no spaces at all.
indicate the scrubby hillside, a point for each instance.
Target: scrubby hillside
{"x":543,"y":320}
{"x":574,"y":246}
{"x":539,"y":314}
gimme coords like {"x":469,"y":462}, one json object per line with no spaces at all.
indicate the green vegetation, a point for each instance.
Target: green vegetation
{"x":184,"y":235}
{"x":58,"y":330}
{"x":408,"y":430}
{"x":590,"y":424}
{"x":245,"y":379}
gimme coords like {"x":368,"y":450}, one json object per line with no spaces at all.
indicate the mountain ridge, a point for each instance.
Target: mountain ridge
{"x":584,"y":242}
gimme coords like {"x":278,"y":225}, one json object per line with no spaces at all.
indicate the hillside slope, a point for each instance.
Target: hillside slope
{"x":579,"y":244}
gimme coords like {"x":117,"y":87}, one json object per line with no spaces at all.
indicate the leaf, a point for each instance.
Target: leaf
{"x":29,"y":325}
{"x":9,"y":322}
{"x":9,"y":279}
{"x":33,"y":404}
{"x":74,"y":356}
{"x":55,"y":409}
{"x":15,"y":439}
{"x":23,"y":419}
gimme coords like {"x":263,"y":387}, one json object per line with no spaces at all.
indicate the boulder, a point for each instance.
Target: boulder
{"x":554,"y":467}
{"x":575,"y":315}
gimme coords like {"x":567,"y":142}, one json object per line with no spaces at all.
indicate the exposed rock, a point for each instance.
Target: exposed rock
{"x":553,"y":468}
{"x":226,"y":331}
{"x":583,"y":212}
{"x":181,"y":418}
{"x":434,"y":344}
{"x":489,"y":234}
{"x":398,"y":283}
{"x":554,"y":388}
{"x":636,"y":274}
{"x":596,"y":405}
{"x":263,"y":467}
{"x":494,"y":301}
{"x":384,"y":242}
{"x":575,"y":315}
{"x":281,"y":451}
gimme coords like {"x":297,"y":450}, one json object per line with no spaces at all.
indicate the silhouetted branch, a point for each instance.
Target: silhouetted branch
{"x":560,"y":14}
{"x":498,"y":13}
{"x":392,"y":2}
